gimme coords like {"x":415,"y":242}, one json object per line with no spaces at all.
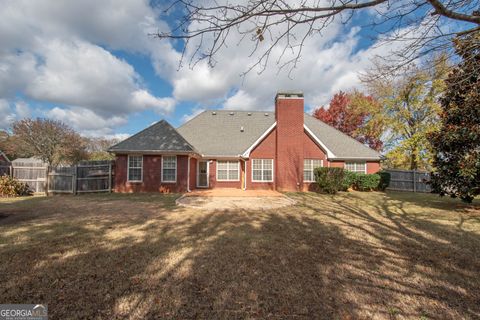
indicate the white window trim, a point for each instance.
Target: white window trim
{"x":356,"y":162}
{"x":228,"y":180}
{"x":313,"y":174}
{"x":273,"y":170}
{"x":176,"y":170}
{"x":128,"y":168}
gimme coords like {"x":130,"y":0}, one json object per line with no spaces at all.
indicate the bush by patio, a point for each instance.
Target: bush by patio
{"x":330,"y":180}
{"x":11,"y":187}
{"x":366,"y":182}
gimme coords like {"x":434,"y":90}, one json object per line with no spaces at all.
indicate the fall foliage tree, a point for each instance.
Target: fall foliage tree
{"x":51,"y":141}
{"x":356,"y":115}
{"x":456,"y":145}
{"x":411,"y":110}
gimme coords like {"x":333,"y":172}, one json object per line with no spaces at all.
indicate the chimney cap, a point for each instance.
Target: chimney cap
{"x":289,"y":94}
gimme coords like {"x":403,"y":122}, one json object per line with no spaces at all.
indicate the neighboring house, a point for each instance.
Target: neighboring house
{"x":4,"y":161}
{"x":238,"y":149}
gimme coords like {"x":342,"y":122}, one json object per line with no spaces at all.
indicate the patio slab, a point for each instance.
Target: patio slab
{"x":231,"y":192}
{"x":228,"y":199}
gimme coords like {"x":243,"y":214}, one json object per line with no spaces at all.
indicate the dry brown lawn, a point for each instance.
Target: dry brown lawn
{"x":350,"y":256}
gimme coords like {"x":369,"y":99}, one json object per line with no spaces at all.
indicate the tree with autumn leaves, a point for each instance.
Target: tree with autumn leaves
{"x":356,"y":115}
{"x":397,"y":116}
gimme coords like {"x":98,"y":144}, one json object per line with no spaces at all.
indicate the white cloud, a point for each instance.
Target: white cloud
{"x":242,"y":100}
{"x":22,"y":110}
{"x":328,"y":63}
{"x":143,"y":99}
{"x":87,"y":121}
{"x":51,"y":53}
{"x":7,"y":115}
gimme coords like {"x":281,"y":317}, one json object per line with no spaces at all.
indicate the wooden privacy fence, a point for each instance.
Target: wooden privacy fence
{"x":409,"y":180}
{"x":91,"y":176}
{"x":86,"y":176}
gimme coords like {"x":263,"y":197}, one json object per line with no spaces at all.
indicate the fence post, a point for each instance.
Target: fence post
{"x":74,"y":180}
{"x":10,"y":171}
{"x":414,"y":180}
{"x":110,"y":177}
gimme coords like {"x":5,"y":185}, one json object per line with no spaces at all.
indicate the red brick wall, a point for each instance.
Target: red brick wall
{"x":289,"y":113}
{"x":373,"y":166}
{"x":337,"y":164}
{"x":223,"y":184}
{"x":312,"y":151}
{"x":152,"y":168}
{"x":265,"y":150}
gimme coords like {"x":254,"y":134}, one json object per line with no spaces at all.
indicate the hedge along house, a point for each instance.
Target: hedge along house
{"x":238,"y":149}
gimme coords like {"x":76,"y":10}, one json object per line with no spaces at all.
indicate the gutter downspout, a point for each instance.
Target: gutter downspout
{"x":188,"y":175}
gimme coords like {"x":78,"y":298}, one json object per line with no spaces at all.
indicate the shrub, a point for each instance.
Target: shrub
{"x":329,"y":180}
{"x":384,"y":180}
{"x":349,"y":180}
{"x":367,"y":182}
{"x":11,"y":187}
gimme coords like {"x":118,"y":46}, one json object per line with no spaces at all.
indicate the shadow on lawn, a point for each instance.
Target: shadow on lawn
{"x":435,"y":263}
{"x":321,"y":259}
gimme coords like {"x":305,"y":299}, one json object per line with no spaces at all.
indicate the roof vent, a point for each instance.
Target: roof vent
{"x":232,"y":113}
{"x":242,"y":129}
{"x":214,"y":112}
{"x":249,"y":113}
{"x":266,"y":114}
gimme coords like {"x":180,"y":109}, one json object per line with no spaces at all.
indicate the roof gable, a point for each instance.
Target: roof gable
{"x":226,"y":133}
{"x":159,"y":137}
{"x":338,"y":144}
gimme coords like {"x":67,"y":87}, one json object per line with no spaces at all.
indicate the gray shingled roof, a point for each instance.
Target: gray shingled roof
{"x":218,"y":132}
{"x":160,"y":136}
{"x":340,"y":144}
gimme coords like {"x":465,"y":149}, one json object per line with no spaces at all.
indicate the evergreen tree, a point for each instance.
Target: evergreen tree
{"x":456,"y":145}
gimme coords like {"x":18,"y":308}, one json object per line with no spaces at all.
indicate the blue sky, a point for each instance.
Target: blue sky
{"x":93,"y":65}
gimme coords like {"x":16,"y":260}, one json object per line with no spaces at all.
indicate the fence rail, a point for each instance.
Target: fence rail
{"x":87,"y":176}
{"x":409,"y":180}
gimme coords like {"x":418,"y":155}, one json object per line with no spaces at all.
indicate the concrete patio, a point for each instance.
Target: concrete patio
{"x":226,"y":199}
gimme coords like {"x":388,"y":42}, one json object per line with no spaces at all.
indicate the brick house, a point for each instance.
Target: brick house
{"x":238,"y":149}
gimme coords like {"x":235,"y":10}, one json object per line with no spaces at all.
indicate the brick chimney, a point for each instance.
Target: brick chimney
{"x":289,"y":114}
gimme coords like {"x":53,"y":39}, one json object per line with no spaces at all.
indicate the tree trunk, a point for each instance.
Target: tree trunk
{"x":47,"y":180}
{"x":413,"y":161}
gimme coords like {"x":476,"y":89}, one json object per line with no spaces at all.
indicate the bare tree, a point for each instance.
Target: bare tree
{"x":421,"y":26}
{"x":52,"y":141}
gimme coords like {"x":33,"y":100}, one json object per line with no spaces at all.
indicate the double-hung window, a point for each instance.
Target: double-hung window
{"x":169,"y":168}
{"x":228,"y":170}
{"x":135,"y":168}
{"x":360,"y":167}
{"x":262,"y":170}
{"x":308,"y":169}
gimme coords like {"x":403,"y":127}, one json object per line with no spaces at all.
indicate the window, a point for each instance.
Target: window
{"x":169,"y":168}
{"x":360,"y":167}
{"x":308,"y":166}
{"x":228,"y":170}
{"x":135,"y":168}
{"x":262,"y":170}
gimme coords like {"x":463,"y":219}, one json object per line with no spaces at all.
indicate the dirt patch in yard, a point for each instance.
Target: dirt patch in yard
{"x":349,"y":256}
{"x":235,"y":203}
